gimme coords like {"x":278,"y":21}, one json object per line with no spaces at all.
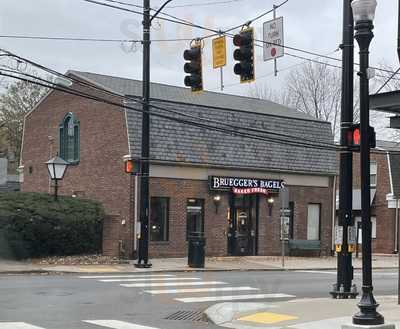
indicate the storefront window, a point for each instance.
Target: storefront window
{"x":313,"y":221}
{"x":159,"y":218}
{"x":195,"y":216}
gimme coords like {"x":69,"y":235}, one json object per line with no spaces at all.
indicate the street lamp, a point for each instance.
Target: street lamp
{"x":364,"y":14}
{"x":56,"y":167}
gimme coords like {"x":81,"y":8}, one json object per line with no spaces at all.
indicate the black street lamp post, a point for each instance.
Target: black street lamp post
{"x":364,"y":13}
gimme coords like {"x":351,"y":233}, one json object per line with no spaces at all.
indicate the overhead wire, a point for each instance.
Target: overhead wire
{"x":54,"y":86}
{"x":197,"y":118}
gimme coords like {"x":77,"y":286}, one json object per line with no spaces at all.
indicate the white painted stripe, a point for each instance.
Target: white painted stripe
{"x":149,"y":279}
{"x":125,"y":276}
{"x":230,"y":298}
{"x":317,"y":272}
{"x":17,"y":325}
{"x":194,"y":290}
{"x":117,"y":324}
{"x":170,"y":284}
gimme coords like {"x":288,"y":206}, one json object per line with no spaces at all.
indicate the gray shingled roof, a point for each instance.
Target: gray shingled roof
{"x":172,"y":141}
{"x":158,"y":91}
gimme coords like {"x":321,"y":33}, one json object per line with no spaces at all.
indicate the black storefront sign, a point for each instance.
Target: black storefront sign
{"x":222,"y":183}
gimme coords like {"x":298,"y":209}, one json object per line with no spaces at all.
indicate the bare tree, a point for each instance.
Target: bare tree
{"x":315,"y":89}
{"x":18,"y":99}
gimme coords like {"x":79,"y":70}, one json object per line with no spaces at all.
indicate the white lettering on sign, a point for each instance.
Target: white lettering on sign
{"x":273,"y":38}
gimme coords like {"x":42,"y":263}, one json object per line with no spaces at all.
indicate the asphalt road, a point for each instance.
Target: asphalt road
{"x":65,"y":301}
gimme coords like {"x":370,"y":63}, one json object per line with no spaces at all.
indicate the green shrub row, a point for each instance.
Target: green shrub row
{"x":34,"y":225}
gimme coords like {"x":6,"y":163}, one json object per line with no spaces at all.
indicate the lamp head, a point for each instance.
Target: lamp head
{"x":364,"y":10}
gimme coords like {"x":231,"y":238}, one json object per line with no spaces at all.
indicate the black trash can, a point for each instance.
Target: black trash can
{"x":196,"y":252}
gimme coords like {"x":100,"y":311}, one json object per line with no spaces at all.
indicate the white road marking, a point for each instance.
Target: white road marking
{"x":230,"y":298}
{"x":149,"y":279}
{"x":317,"y":272}
{"x":170,"y":284}
{"x":194,"y":290}
{"x":117,"y":324}
{"x":125,"y":276}
{"x":17,"y":325}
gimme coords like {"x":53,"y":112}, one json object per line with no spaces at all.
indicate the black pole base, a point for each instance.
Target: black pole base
{"x":139,"y":265}
{"x":368,"y":314}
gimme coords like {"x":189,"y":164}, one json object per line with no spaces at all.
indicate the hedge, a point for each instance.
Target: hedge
{"x":34,"y":225}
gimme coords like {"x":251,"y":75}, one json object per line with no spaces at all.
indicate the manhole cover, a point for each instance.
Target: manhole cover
{"x":188,"y":316}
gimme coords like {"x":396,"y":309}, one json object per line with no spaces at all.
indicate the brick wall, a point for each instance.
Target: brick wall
{"x":385,"y":217}
{"x":99,"y":174}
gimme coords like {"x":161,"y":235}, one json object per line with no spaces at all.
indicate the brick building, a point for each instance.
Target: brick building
{"x":385,"y":185}
{"x":219,"y":182}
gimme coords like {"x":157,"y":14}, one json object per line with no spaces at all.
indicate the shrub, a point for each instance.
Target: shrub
{"x":34,"y":225}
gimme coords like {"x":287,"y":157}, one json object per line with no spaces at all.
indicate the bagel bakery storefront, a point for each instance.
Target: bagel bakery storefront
{"x":243,"y":214}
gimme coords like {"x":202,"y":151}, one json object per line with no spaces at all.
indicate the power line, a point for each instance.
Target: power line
{"x":54,"y":86}
{"x":204,"y":4}
{"x":32,"y":37}
{"x":387,"y":81}
{"x":291,"y":142}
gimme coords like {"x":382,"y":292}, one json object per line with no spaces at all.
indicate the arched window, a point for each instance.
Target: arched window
{"x":69,"y":139}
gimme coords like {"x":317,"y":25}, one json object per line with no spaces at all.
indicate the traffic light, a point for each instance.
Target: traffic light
{"x":245,"y":55}
{"x":132,"y":166}
{"x":194,"y":67}
{"x":353,"y":137}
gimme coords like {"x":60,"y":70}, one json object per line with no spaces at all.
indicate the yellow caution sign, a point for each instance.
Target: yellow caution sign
{"x":338,"y":248}
{"x":219,"y":52}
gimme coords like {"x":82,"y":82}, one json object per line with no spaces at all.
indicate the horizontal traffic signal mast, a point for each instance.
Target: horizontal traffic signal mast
{"x":245,"y":55}
{"x":194,"y":66}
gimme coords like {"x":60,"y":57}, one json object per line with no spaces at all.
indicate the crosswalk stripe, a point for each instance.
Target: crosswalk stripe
{"x":316,"y":272}
{"x":170,"y":284}
{"x":194,"y":290}
{"x":115,"y":324}
{"x":149,"y":279}
{"x":17,"y":325}
{"x":230,"y":298}
{"x":126,"y":276}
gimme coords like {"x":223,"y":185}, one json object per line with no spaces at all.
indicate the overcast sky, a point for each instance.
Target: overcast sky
{"x":313,"y":25}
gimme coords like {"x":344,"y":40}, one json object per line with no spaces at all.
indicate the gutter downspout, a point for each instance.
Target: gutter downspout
{"x":396,"y":239}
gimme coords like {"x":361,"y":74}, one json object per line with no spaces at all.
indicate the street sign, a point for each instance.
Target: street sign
{"x":285,"y":224}
{"x":219,"y":52}
{"x":273,"y":37}
{"x":352,"y":235}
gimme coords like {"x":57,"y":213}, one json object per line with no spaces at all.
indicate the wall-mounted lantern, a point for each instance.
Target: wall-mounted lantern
{"x":217,"y":201}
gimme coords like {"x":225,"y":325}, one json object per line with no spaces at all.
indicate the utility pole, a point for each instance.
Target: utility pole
{"x":343,"y":286}
{"x":145,"y":165}
{"x":144,"y":209}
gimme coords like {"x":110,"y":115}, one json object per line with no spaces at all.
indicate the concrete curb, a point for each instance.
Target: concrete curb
{"x":189,"y":270}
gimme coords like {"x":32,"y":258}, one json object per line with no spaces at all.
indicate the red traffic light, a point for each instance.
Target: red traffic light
{"x":357,"y":136}
{"x":131,"y":167}
{"x":242,"y":39}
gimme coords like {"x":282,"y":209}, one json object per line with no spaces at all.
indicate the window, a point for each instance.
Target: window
{"x":195,"y":216}
{"x":69,"y":139}
{"x":159,"y":219}
{"x":313,"y":221}
{"x":373,"y":173}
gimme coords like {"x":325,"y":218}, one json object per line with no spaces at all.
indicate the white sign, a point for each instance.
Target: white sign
{"x":273,"y":37}
{"x":338,"y":234}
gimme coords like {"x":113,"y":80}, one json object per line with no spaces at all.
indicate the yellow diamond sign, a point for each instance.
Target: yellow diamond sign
{"x":219,"y":52}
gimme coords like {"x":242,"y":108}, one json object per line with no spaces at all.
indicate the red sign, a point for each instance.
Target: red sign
{"x":252,"y":190}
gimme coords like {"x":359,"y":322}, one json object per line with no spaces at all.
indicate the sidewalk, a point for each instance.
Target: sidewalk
{"x":250,"y":263}
{"x":318,"y":313}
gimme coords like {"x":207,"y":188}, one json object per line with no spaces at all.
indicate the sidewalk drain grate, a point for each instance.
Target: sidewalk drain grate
{"x":195,"y":316}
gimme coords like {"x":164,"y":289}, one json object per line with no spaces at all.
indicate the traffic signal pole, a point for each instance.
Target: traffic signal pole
{"x":343,"y":286}
{"x":144,"y":212}
{"x":145,"y":155}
